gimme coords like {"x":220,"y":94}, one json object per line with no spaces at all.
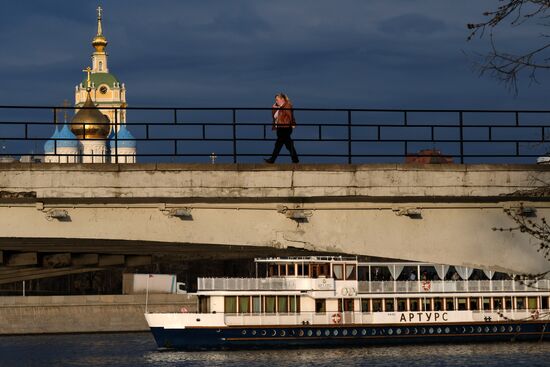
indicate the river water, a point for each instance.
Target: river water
{"x":139,"y":349}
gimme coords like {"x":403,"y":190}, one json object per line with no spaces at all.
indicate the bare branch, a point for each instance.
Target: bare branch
{"x":506,"y":66}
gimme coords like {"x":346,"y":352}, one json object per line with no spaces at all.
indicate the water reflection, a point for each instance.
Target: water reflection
{"x":138,"y":350}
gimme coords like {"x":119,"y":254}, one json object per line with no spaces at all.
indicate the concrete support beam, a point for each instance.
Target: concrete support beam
{"x":56,"y":260}
{"x":432,"y":213}
{"x":110,"y":260}
{"x":138,"y":260}
{"x":85,"y":259}
{"x":17,"y":275}
{"x":23,"y":259}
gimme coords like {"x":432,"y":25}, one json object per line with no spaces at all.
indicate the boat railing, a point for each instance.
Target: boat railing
{"x":265,"y":284}
{"x":419,"y":286}
{"x":458,"y":286}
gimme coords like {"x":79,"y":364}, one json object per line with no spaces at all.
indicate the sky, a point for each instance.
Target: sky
{"x":379,"y":54}
{"x":350,"y":53}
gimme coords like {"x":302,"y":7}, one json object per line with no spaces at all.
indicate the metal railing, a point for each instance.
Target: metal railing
{"x":431,"y":286}
{"x":322,"y":135}
{"x":292,"y":284}
{"x":460,"y":286}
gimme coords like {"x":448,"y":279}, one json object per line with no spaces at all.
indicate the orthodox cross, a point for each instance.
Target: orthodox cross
{"x":88,"y":70}
{"x":99,"y":10}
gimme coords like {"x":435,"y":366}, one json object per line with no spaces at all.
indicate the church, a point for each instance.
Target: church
{"x":97,"y":132}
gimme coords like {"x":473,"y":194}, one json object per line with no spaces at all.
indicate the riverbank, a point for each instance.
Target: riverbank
{"x":85,"y":314}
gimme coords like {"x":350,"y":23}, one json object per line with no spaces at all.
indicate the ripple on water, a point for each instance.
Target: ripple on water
{"x":138,"y":350}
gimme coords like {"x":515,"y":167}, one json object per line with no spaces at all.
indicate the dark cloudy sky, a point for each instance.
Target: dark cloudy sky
{"x":348,"y":53}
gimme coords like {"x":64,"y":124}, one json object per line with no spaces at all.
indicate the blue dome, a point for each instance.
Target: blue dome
{"x":49,"y":146}
{"x":125,"y":138}
{"x":66,"y":133}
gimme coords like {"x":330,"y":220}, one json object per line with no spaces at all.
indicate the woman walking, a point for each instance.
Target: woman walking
{"x":283,"y":123}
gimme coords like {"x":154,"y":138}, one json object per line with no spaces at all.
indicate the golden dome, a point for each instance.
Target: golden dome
{"x":99,"y":43}
{"x":89,"y":122}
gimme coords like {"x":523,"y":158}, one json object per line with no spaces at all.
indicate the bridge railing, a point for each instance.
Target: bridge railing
{"x":238,"y":135}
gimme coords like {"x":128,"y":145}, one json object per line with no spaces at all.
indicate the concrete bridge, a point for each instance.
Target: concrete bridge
{"x":83,"y":214}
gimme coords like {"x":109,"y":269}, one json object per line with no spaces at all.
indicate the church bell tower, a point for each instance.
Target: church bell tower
{"x":106,"y":90}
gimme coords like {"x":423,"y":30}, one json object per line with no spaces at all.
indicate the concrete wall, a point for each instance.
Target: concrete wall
{"x":354,"y":208}
{"x":84,"y":314}
{"x":265,"y":181}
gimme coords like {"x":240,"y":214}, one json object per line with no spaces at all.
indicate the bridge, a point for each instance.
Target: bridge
{"x":73,"y":217}
{"x":69,"y":218}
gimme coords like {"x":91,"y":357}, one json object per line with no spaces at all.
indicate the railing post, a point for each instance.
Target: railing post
{"x":349,"y":136}
{"x":461,"y":121}
{"x":234,"y":135}
{"x":55,"y":127}
{"x":116,"y":135}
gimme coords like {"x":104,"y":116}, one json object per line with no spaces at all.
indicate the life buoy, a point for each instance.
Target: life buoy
{"x":344,"y":291}
{"x":184,"y":310}
{"x":426,"y":285}
{"x":535,"y":315}
{"x":336,"y":318}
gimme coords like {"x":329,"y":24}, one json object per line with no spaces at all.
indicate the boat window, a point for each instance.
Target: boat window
{"x":401,"y":304}
{"x":282,"y":304}
{"x":314,"y":270}
{"x":427,"y":304}
{"x":508,"y":303}
{"x":377,"y":305}
{"x":450,"y":303}
{"x":303,"y":270}
{"x":486,"y":304}
{"x":520,"y":303}
{"x":320,"y":305}
{"x":291,"y":269}
{"x":462,"y":304}
{"x":294,"y":304}
{"x":389,"y":304}
{"x":497,"y":303}
{"x":365,"y":305}
{"x":324,"y":270}
{"x":438,"y":304}
{"x":282,"y":269}
{"x":414,"y":304}
{"x":230,"y":304}
{"x":203,"y":304}
{"x":544,"y":303}
{"x":474,"y":303}
{"x":338,"y":271}
{"x":363,"y":273}
{"x":270,"y":304}
{"x":256,"y":304}
{"x":345,"y":305}
{"x":350,"y":272}
{"x":273,"y":270}
{"x":244,"y":304}
{"x":532,"y":303}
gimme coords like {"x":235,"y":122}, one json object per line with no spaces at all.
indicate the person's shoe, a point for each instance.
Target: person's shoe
{"x":269,"y":161}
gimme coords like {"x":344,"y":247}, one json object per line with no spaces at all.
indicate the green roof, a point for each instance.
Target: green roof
{"x":101,"y":78}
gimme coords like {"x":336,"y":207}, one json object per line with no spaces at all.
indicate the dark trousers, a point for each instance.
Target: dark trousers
{"x":283,"y":138}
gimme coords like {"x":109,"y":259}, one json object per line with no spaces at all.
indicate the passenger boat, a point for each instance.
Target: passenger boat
{"x":339,"y":301}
